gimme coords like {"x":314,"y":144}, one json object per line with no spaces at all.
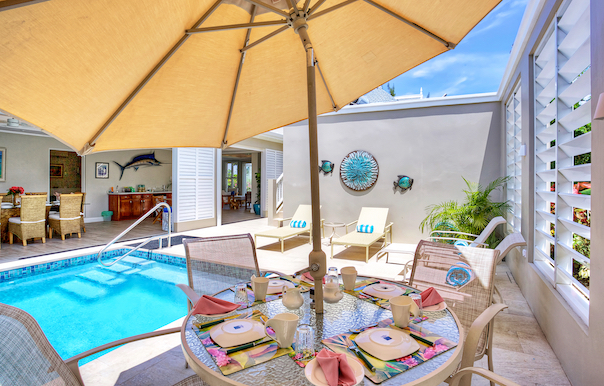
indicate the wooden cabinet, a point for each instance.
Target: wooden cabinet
{"x":130,"y":206}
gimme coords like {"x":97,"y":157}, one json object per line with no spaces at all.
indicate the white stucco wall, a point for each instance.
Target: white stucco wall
{"x":435,"y":146}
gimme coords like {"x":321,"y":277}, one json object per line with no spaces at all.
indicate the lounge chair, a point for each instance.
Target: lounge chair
{"x":479,"y":240}
{"x":29,"y":358}
{"x":303,"y":214}
{"x":32,"y":220}
{"x":375,"y":219}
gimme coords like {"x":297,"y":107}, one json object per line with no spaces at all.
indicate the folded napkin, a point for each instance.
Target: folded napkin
{"x":209,"y":305}
{"x":430,"y":297}
{"x":336,"y":369}
{"x":309,"y":277}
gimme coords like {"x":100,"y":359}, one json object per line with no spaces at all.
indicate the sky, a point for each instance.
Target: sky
{"x":476,"y":65}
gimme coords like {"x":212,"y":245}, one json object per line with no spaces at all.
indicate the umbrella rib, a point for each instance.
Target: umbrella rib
{"x":241,"y":61}
{"x":264,"y":38}
{"x":447,"y":44}
{"x":292,"y":5}
{"x":88,"y":147}
{"x":328,"y":10}
{"x":317,"y":5}
{"x":306,"y":5}
{"x":333,"y":104}
{"x":236,"y":26}
{"x":268,"y":7}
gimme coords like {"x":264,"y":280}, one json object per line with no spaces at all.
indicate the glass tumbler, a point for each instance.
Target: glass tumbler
{"x":241,"y":294}
{"x":332,"y":275}
{"x":417,"y":298}
{"x":305,"y":342}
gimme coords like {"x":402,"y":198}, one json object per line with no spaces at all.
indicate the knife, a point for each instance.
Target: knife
{"x":202,"y":326}
{"x":360,"y":355}
{"x":423,"y":340}
{"x":248,"y":345}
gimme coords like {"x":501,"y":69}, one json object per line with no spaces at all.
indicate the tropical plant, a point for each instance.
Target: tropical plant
{"x":257,"y":188}
{"x":471,"y":216}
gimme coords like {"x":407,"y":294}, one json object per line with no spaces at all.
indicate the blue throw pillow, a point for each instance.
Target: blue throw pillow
{"x":297,"y":224}
{"x":365,"y":228}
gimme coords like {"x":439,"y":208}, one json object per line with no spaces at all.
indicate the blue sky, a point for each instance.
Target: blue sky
{"x":476,"y":65}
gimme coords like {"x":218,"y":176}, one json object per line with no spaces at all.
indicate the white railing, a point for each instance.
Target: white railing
{"x":279,"y":193}
{"x":99,"y":256}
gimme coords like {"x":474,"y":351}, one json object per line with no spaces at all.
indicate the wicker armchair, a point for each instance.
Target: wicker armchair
{"x":82,"y":224}
{"x":68,"y":220}
{"x":28,"y":358}
{"x":32,"y":221}
{"x":217,"y":263}
{"x":464,"y":277}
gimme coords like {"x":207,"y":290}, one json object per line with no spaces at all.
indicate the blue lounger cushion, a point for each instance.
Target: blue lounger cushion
{"x":297,"y":224}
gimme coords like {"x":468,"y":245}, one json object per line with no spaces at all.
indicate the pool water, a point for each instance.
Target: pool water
{"x":85,"y":306}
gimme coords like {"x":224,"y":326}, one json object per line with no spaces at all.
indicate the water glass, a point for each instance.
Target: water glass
{"x":332,"y":275}
{"x":241,"y":294}
{"x":305,"y":342}
{"x":417,"y":298}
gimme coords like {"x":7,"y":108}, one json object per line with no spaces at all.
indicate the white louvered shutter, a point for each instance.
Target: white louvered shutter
{"x":274,"y":168}
{"x":195,"y":187}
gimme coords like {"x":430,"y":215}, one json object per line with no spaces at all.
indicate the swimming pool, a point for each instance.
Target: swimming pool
{"x":81,"y":305}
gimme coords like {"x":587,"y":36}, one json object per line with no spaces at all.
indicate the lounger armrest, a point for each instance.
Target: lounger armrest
{"x":455,"y":233}
{"x":191,"y":295}
{"x":471,"y":343}
{"x":457,"y":239}
{"x":352,"y":223}
{"x":491,"y":376}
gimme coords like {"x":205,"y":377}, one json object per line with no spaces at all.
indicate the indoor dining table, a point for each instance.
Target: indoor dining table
{"x":349,"y":313}
{"x":15,"y":211}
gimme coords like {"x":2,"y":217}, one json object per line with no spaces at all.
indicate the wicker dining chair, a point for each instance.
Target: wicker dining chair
{"x":32,"y":220}
{"x":82,"y":224}
{"x":68,"y":220}
{"x":217,"y":263}
{"x":28,"y":358}
{"x":465,"y":278}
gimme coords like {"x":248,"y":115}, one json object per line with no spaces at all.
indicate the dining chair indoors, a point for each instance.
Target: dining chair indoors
{"x":82,"y":224}
{"x":28,"y":358}
{"x":32,"y":220}
{"x":470,"y":239}
{"x":68,"y":220}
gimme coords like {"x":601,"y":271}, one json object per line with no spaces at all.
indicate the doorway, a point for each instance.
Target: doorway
{"x":238,"y":184}
{"x":65,"y":172}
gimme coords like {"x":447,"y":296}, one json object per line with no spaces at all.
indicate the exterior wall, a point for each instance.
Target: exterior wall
{"x":577,"y":346}
{"x":435,"y":146}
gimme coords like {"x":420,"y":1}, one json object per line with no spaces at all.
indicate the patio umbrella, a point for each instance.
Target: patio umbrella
{"x":115,"y":74}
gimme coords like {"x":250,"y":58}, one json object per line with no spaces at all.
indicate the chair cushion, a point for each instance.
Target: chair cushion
{"x":17,"y":220}
{"x":56,"y":216}
{"x":365,"y":228}
{"x":297,"y":224}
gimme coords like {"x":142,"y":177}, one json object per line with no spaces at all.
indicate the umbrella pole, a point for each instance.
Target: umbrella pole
{"x":316,"y":258}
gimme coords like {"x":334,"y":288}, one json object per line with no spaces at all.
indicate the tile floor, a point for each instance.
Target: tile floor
{"x":522,"y":353}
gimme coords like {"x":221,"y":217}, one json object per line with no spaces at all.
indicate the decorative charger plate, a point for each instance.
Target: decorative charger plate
{"x":237,"y":332}
{"x":314,"y":373}
{"x":383,"y":291}
{"x":386,"y":343}
{"x":359,"y":170}
{"x":275,"y":286}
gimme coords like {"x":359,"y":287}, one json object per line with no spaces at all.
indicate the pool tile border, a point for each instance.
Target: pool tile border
{"x":38,"y":269}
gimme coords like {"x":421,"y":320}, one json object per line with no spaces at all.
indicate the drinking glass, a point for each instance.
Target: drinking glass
{"x":241,"y":294}
{"x":332,"y":275}
{"x":305,"y":342}
{"x":417,"y":298}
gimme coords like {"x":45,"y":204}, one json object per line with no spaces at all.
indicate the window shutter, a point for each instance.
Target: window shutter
{"x":195,"y":184}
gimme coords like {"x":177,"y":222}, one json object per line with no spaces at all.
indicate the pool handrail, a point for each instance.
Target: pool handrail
{"x":100,"y":254}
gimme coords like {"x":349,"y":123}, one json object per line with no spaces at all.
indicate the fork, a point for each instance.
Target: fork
{"x":352,"y":346}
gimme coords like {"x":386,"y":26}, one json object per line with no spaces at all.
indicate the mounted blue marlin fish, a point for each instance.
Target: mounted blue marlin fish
{"x":139,"y":161}
{"x":403,"y":183}
{"x":326,"y":167}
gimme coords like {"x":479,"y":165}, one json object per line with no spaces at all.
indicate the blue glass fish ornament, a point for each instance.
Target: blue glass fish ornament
{"x":403,"y":183}
{"x":326,"y":167}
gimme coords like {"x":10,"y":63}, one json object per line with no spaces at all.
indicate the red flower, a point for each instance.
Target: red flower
{"x":16,"y":190}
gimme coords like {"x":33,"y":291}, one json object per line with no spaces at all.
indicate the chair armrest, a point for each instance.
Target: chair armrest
{"x":455,"y":233}
{"x":192,"y":295}
{"x":471,"y":343}
{"x":268,"y":272}
{"x":347,"y":225}
{"x":433,"y":238}
{"x":491,"y":376}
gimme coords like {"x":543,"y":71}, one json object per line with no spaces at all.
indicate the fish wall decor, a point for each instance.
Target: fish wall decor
{"x":327,"y":167}
{"x":139,"y":161}
{"x":403,"y":183}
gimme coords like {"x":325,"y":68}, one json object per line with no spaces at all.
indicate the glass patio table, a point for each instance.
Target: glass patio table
{"x":349,"y":313}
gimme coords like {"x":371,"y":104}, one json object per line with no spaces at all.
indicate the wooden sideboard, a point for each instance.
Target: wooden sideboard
{"x":127,"y":206}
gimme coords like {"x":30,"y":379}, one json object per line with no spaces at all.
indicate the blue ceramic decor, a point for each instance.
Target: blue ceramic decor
{"x":327,"y":167}
{"x":359,"y":170}
{"x":403,"y":183}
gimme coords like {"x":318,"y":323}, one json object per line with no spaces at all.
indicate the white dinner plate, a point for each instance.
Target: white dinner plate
{"x":314,"y":373}
{"x":436,"y":307}
{"x":386,"y":343}
{"x":237,"y":332}
{"x":383,"y":290}
{"x":275,"y":286}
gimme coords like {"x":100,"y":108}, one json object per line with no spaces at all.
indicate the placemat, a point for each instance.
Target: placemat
{"x":237,"y":361}
{"x":388,"y":369}
{"x":300,"y":359}
{"x":305,"y":287}
{"x":360,"y":286}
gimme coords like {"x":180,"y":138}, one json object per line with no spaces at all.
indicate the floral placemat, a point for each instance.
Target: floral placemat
{"x":360,"y":286}
{"x":305,"y":287}
{"x":231,"y":363}
{"x":301,"y":359}
{"x":387,"y":369}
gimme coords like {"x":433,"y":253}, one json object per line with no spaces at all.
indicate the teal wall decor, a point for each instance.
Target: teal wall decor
{"x":403,"y":183}
{"x":326,"y":167}
{"x":359,"y":170}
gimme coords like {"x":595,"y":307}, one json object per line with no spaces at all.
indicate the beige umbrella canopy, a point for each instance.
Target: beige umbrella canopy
{"x":117,"y":74}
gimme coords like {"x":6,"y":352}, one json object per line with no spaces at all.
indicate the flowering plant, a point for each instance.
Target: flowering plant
{"x":13,"y":191}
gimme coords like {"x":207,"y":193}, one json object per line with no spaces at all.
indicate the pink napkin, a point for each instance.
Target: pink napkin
{"x":336,"y":368}
{"x":430,"y":297}
{"x":209,"y":305}
{"x":309,"y":277}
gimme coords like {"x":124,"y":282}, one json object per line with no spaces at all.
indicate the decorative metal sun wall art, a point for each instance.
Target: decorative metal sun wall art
{"x":326,"y":167}
{"x":359,"y":170}
{"x":403,"y":183}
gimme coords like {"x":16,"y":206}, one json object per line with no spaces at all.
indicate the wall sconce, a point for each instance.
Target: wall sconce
{"x":599,"y":114}
{"x":522,"y":151}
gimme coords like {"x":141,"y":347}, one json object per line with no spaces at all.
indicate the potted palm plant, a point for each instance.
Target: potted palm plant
{"x":257,"y":202}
